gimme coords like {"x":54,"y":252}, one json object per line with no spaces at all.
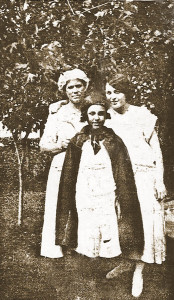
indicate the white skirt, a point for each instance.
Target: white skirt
{"x":97,"y":226}
{"x":152,"y":216}
{"x":48,"y":247}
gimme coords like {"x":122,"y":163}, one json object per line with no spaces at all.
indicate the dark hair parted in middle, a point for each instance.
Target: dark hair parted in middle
{"x":94,"y":98}
{"x":121,"y":83}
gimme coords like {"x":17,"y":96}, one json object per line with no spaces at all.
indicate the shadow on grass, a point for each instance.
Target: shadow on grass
{"x":27,"y":275}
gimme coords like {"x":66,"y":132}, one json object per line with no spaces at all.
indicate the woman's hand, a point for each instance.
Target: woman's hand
{"x":60,"y":146}
{"x":54,"y":107}
{"x":64,"y":143}
{"x":55,"y":148}
{"x":161,"y":191}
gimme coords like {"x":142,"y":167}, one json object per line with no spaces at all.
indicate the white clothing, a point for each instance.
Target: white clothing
{"x":152,"y":216}
{"x":95,"y":202}
{"x":48,"y":247}
{"x":61,"y":125}
{"x":136,"y":129}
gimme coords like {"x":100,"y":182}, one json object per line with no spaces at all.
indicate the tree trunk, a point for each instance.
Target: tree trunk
{"x":20,"y":159}
{"x":27,"y":157}
{"x":21,"y":194}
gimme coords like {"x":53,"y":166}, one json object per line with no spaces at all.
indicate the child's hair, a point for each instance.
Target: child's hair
{"x":94,"y":98}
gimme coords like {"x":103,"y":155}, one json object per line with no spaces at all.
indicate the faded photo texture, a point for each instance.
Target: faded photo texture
{"x":120,"y":52}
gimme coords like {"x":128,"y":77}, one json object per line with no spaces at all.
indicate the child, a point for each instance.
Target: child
{"x":97,"y":171}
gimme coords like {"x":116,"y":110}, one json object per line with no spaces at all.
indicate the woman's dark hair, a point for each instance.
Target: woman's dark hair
{"x":121,"y":83}
{"x":94,"y":98}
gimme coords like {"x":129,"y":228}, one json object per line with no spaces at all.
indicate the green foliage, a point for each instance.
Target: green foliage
{"x":40,"y":39}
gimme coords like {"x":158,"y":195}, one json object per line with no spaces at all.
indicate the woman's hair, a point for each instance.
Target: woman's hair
{"x":81,"y":80}
{"x":121,"y":83}
{"x":94,"y":98}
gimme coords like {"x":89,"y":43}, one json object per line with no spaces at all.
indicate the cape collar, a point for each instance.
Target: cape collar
{"x":104,"y":133}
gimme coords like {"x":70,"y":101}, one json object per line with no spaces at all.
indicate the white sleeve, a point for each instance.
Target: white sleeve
{"x":155,"y":145}
{"x":148,"y":121}
{"x":49,"y":140}
{"x":57,"y":130}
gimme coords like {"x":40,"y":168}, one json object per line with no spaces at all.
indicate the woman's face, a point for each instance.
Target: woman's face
{"x":96,"y":116}
{"x":116,"y":98}
{"x":75,"y":91}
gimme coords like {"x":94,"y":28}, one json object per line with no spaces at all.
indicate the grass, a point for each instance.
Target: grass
{"x":27,"y":275}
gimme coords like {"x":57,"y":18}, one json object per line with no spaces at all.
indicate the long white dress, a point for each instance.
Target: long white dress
{"x":95,"y":202}
{"x":136,"y":127}
{"x":63,"y":124}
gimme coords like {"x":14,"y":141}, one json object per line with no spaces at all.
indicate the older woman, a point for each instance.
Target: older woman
{"x":136,"y":127}
{"x":61,"y":126}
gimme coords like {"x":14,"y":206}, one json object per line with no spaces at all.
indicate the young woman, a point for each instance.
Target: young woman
{"x":136,"y":127}
{"x":59,"y":129}
{"x":96,"y":173}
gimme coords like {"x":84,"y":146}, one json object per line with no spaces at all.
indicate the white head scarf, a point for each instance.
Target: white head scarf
{"x":71,"y":75}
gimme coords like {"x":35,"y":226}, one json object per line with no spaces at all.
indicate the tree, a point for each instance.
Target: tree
{"x":40,"y":39}
{"x":22,"y":104}
{"x":23,"y":111}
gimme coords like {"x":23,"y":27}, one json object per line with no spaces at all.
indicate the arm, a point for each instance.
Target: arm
{"x":150,"y":121}
{"x":155,"y":145}
{"x":54,"y":148}
{"x":49,"y":141}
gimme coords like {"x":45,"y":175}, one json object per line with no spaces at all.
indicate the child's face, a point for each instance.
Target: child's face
{"x":96,"y":116}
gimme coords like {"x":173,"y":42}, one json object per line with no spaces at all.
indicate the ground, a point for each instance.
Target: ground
{"x":27,"y":275}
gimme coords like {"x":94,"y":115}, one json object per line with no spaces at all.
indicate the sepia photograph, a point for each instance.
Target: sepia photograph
{"x":87,"y":150}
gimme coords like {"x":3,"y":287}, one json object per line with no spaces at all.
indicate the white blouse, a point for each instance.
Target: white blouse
{"x":136,"y":127}
{"x":60,"y":126}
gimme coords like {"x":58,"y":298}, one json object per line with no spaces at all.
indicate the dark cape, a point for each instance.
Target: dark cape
{"x":130,"y":225}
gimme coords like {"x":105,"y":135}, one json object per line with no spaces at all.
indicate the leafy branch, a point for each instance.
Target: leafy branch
{"x":70,"y":7}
